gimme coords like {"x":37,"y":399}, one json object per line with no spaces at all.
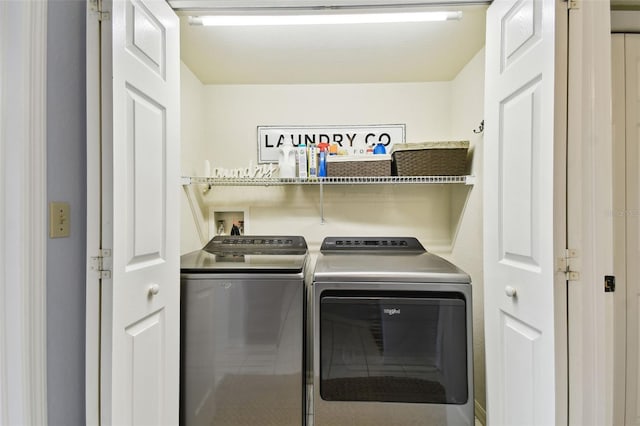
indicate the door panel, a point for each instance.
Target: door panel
{"x":521,"y":30}
{"x":522,"y":223}
{"x":146,"y":361}
{"x":146,"y":156}
{"x":140,"y":303}
{"x":520,"y":345}
{"x":146,"y":37}
{"x":519,"y":114}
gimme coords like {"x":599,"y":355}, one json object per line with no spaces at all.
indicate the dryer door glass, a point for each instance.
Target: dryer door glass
{"x":393,"y":347}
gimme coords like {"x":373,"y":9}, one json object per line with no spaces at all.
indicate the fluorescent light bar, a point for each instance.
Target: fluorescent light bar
{"x":326,"y":19}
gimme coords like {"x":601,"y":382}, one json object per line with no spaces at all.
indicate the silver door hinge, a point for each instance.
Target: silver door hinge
{"x":95,"y":6}
{"x":564,"y":265}
{"x":99,"y":264}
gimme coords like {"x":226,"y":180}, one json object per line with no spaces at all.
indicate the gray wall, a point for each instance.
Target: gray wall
{"x":66,"y":181}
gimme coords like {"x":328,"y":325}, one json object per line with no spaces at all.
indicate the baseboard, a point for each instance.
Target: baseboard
{"x":481,"y":414}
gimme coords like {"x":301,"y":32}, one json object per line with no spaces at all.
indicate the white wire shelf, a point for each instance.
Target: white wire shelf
{"x":211,"y":182}
{"x":390,"y":180}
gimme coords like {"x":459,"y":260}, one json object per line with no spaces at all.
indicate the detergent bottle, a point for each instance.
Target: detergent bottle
{"x":287,"y":160}
{"x":302,"y":160}
{"x":312,"y":162}
{"x":379,"y":149}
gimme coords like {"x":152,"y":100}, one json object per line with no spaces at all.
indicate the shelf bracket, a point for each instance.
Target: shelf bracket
{"x":321,"y":203}
{"x":196,"y":211}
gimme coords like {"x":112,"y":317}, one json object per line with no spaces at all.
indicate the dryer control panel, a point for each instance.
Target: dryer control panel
{"x":372,"y":244}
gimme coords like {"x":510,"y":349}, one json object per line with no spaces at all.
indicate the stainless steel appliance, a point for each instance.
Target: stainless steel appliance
{"x":392,"y":331}
{"x":242,"y":326}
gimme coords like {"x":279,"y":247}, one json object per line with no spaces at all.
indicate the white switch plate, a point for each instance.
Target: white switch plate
{"x":59,"y":219}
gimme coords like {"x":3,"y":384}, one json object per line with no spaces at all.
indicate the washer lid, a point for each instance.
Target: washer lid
{"x":248,"y":254}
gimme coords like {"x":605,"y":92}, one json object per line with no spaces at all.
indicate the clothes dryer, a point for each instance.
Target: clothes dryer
{"x":392,"y":335}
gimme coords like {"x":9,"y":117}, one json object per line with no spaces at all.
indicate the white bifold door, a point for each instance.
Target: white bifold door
{"x":524,"y":205}
{"x":139,"y":292}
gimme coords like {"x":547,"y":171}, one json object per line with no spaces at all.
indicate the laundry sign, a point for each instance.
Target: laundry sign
{"x":357,"y":137}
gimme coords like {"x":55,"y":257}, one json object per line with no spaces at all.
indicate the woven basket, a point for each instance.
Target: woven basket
{"x":430,"y":159}
{"x":356,"y":165}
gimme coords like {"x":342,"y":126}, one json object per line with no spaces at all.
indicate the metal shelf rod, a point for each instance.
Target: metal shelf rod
{"x":392,"y":180}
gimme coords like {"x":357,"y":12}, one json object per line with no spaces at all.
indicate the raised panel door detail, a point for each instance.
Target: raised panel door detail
{"x":146,"y":349}
{"x":519,"y":373}
{"x":145,"y":37}
{"x":146,"y":143}
{"x":520,"y":30}
{"x":519,"y":120}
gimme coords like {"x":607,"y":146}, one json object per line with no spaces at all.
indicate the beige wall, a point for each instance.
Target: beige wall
{"x":447,"y":219}
{"x":192,"y":114}
{"x":467,"y":112}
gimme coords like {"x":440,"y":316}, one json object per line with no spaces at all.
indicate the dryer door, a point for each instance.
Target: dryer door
{"x":393,"y":347}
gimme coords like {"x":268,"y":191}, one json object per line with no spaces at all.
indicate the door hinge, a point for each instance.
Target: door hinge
{"x":95,"y":6}
{"x":564,"y":265}
{"x":573,"y":4}
{"x":99,"y":264}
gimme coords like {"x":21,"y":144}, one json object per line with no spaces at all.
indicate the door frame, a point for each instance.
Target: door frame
{"x":589,"y":222}
{"x":94,"y":212}
{"x":23,"y":220}
{"x":590,"y":309}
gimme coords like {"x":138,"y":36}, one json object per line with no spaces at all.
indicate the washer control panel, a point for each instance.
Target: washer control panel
{"x":257,"y":244}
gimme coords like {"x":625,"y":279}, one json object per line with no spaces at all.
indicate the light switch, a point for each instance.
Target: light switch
{"x":59,"y":219}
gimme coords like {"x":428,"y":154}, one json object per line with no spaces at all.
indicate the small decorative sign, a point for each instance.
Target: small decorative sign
{"x":251,"y":172}
{"x":271,"y":138}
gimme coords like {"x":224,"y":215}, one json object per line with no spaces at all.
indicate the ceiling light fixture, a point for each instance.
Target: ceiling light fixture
{"x":323,"y":19}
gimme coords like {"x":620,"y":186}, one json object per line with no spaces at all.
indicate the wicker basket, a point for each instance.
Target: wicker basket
{"x":359,"y":165}
{"x":430,"y":158}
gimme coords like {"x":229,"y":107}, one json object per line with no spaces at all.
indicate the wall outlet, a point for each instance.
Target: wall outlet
{"x":59,"y":219}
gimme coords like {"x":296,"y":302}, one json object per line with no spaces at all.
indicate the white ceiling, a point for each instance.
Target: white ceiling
{"x":365,"y":53}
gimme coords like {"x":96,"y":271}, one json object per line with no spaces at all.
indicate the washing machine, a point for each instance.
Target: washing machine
{"x":392,"y":335}
{"x":242,"y":327}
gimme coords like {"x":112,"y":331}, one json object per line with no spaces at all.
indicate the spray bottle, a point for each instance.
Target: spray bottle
{"x":322,"y":163}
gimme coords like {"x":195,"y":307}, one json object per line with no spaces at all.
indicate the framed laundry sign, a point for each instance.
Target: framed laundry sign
{"x":354,"y":138}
